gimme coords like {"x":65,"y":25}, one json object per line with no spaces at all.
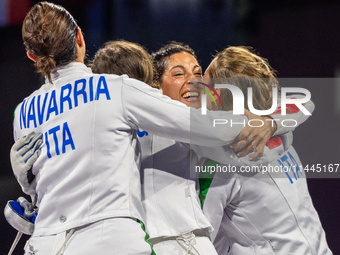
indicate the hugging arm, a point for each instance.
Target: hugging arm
{"x":273,"y":125}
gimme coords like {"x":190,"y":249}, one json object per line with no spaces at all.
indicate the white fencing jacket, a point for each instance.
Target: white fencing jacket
{"x":264,"y":213}
{"x":169,"y":193}
{"x":169,"y":196}
{"x":89,"y":165}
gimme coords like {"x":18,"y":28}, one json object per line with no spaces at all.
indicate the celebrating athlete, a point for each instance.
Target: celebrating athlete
{"x":268,"y":211}
{"x":87,"y":179}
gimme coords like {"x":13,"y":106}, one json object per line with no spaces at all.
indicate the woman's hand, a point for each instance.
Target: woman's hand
{"x":24,"y":152}
{"x":253,"y":138}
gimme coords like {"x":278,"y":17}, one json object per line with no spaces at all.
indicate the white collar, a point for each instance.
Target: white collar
{"x":69,"y":69}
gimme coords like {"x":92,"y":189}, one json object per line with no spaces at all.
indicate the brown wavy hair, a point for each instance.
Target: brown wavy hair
{"x":123,"y":57}
{"x":240,"y":66}
{"x":49,"y":33}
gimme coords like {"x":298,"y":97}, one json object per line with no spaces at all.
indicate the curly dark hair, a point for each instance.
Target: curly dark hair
{"x":160,"y":58}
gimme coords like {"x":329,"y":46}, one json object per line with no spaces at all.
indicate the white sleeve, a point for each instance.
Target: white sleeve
{"x":220,"y":193}
{"x":16,"y":122}
{"x":146,"y":108}
{"x":294,"y":114}
{"x":221,"y":154}
{"x":226,"y":155}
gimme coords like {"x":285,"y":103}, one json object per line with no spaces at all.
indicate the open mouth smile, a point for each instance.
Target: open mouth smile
{"x":191,"y":96}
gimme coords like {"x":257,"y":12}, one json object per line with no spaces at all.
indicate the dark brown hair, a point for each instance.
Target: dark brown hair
{"x":122,"y":57}
{"x":241,"y":67}
{"x":160,"y":58}
{"x":49,"y":33}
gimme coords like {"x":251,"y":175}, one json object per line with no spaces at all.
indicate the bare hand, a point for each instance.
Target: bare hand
{"x":253,"y":138}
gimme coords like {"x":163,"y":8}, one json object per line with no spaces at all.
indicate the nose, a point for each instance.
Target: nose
{"x":193,"y":79}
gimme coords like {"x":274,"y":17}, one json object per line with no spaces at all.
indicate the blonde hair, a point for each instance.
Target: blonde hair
{"x":240,"y":66}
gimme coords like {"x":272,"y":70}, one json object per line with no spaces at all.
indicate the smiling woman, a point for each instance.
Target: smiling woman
{"x":175,"y":65}
{"x":237,"y":206}
{"x":174,"y":218}
{"x":90,"y":155}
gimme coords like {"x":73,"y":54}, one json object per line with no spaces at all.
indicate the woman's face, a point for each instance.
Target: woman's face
{"x":176,"y":79}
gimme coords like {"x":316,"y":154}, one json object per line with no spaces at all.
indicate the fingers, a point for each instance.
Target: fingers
{"x":261,"y":138}
{"x":245,"y":133}
{"x":35,"y":139}
{"x":22,"y":141}
{"x":28,"y":149}
{"x":258,"y":152}
{"x":255,"y":142}
{"x":250,"y":148}
{"x":241,"y":139}
{"x":253,"y":138}
{"x":36,"y":153}
{"x":244,"y":143}
{"x":239,"y":144}
{"x":245,"y":150}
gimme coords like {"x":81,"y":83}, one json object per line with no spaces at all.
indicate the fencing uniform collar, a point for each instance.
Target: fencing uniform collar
{"x":69,"y":69}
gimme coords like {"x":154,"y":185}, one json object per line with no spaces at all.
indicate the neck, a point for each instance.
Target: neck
{"x":80,"y":53}
{"x":79,"y":59}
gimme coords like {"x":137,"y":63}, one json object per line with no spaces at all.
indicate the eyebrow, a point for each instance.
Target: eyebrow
{"x":182,"y":67}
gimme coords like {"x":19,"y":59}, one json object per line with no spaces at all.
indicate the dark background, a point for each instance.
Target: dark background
{"x":300,"y":39}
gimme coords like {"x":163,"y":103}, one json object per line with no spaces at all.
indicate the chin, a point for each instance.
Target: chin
{"x":196,"y":105}
{"x":185,"y":102}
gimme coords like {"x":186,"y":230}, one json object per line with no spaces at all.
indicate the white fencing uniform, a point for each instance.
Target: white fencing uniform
{"x":170,"y":199}
{"x":263,"y":213}
{"x":109,"y":236}
{"x":88,"y":169}
{"x":171,"y":204}
{"x":266,"y":213}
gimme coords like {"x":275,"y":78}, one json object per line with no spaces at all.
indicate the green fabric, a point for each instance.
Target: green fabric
{"x":205,"y":179}
{"x":14,"y":113}
{"x":146,"y":237}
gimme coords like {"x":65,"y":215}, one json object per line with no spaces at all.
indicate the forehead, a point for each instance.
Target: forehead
{"x":182,"y":58}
